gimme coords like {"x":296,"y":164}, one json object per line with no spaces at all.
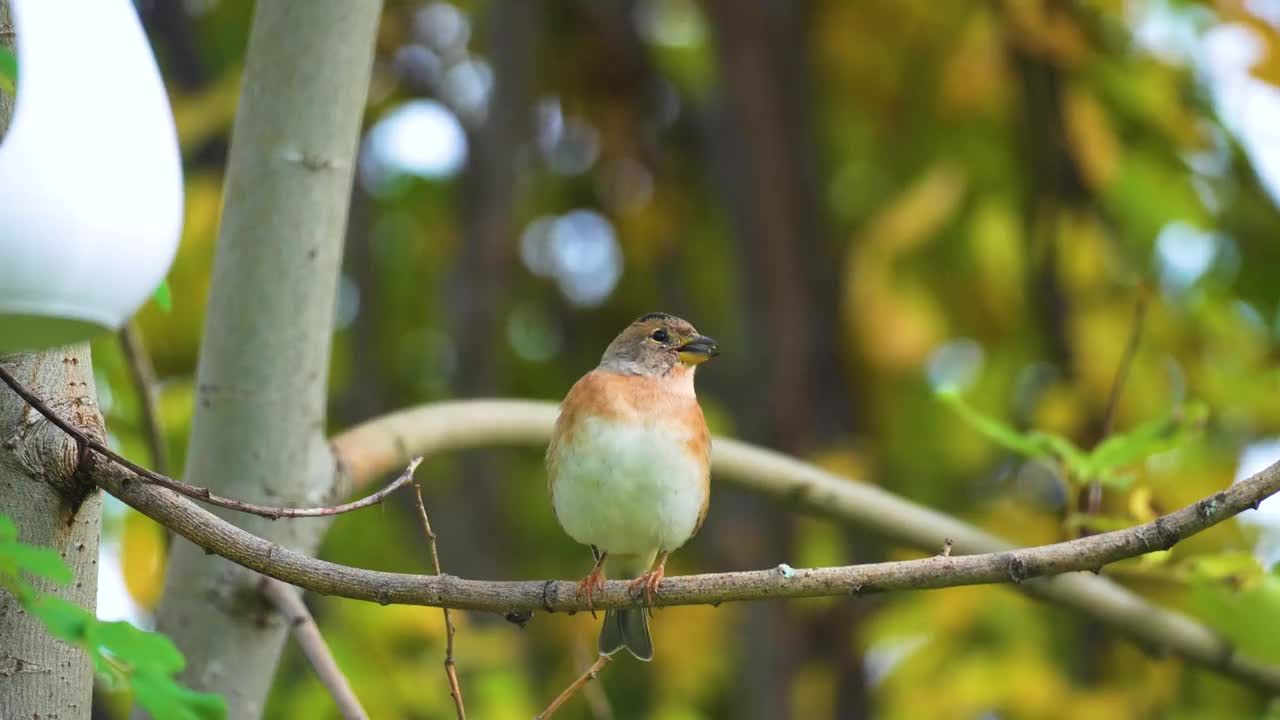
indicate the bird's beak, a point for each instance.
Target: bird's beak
{"x":698,"y":349}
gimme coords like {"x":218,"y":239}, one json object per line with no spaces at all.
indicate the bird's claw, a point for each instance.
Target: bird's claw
{"x":647,"y":584}
{"x":589,"y":584}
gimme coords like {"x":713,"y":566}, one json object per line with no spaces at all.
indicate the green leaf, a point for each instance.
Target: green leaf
{"x":8,"y":71}
{"x":1239,"y":568}
{"x":163,"y":298}
{"x":123,"y":656}
{"x":1098,"y":523}
{"x":1154,"y":436}
{"x":65,"y":620}
{"x":1249,"y":618}
{"x":139,"y":649}
{"x":40,"y":561}
{"x":1028,"y":444}
{"x":164,"y":698}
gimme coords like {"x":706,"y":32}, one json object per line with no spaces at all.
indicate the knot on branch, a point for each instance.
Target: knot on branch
{"x":1016,"y":569}
{"x":1208,"y":507}
{"x":547,"y":601}
{"x":519,"y":618}
{"x":1167,"y":537}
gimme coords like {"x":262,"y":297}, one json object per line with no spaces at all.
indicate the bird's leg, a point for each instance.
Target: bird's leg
{"x":588,"y":585}
{"x":649,"y":582}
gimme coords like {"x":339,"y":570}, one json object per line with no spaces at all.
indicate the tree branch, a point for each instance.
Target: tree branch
{"x":368,"y":449}
{"x":1174,"y":632}
{"x":379,"y":446}
{"x":295,"y":612}
{"x":192,"y":491}
{"x":143,"y":373}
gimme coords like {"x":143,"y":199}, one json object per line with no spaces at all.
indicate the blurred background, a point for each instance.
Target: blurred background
{"x":861,"y":199}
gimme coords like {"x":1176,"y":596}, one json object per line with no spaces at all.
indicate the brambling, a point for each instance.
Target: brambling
{"x":629,"y":465}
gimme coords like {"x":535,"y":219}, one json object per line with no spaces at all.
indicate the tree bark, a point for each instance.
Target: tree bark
{"x":41,"y":676}
{"x":258,"y":428}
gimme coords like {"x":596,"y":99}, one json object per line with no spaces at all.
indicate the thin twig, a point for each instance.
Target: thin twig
{"x":1093,"y":497}
{"x":1126,"y":360}
{"x":143,"y":373}
{"x":455,"y":690}
{"x":196,"y":493}
{"x":290,"y":605}
{"x":575,"y":686}
{"x":595,"y":696}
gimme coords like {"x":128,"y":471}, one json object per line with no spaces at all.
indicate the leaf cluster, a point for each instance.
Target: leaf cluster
{"x":124,"y":657}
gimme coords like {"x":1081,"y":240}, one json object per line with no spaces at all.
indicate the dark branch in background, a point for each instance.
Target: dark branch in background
{"x":366,"y":450}
{"x":285,"y":598}
{"x":450,"y":669}
{"x":191,"y":491}
{"x":144,"y":380}
{"x":1126,"y":360}
{"x":1093,"y":501}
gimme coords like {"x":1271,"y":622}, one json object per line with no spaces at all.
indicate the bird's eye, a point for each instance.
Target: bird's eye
{"x":659,"y":335}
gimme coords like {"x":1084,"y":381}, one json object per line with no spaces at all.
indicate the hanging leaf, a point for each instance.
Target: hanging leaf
{"x":123,"y":656}
{"x":164,"y":298}
{"x":1028,"y":444}
{"x":8,"y":71}
{"x":40,"y":561}
{"x":138,"y":649}
{"x":8,"y":531}
{"x":164,"y":698}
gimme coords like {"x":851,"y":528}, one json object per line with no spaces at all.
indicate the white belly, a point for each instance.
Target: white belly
{"x":627,"y":490}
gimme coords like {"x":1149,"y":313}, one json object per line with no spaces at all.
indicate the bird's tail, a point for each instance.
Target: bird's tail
{"x":628,"y":627}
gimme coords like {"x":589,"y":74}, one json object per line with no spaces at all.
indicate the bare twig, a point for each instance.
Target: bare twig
{"x":1126,"y":360}
{"x":595,"y":696}
{"x":144,"y":380}
{"x":455,"y":690}
{"x":1093,"y":492}
{"x":290,"y":605}
{"x":575,"y":686}
{"x":142,"y":474}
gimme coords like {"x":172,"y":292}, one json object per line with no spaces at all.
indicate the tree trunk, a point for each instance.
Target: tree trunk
{"x":39,"y":675}
{"x":258,"y":432}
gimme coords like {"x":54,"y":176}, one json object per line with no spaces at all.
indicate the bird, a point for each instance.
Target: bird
{"x":629,"y":465}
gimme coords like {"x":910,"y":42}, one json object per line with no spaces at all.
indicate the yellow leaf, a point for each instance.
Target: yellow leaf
{"x":143,"y":554}
{"x":976,"y":76}
{"x":915,"y":215}
{"x":995,"y":241}
{"x":1090,"y":139}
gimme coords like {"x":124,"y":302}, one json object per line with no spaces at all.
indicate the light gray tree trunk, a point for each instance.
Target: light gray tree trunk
{"x":259,"y":427}
{"x":40,"y":676}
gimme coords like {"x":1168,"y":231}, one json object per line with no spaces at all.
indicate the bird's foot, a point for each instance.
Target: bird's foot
{"x":588,"y":585}
{"x":648,"y":583}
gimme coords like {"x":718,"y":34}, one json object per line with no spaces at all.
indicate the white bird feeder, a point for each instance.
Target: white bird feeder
{"x":90,"y":175}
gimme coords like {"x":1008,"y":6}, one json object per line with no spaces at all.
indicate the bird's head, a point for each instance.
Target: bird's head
{"x":657,"y":344}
